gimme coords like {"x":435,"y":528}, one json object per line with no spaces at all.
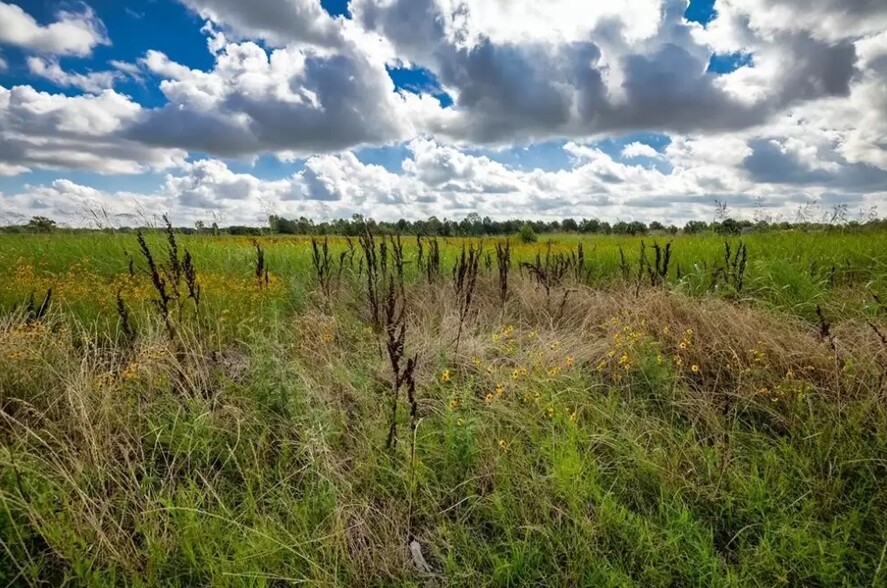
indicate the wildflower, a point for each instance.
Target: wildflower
{"x":683,"y":345}
{"x":555,"y":345}
{"x":550,"y":412}
{"x":553,"y":371}
{"x":659,"y":359}
{"x":611,"y":354}
{"x":503,"y":444}
{"x":495,"y":337}
{"x":489,"y":398}
{"x":475,"y":361}
{"x":445,"y":376}
{"x":569,"y":361}
{"x":694,"y":368}
{"x":455,"y":403}
{"x":572,"y":416}
{"x":460,"y":422}
{"x":532,"y":334}
{"x":131,"y":372}
{"x":678,"y":361}
{"x":500,"y":390}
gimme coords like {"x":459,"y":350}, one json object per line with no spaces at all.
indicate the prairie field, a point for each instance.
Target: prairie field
{"x":180,"y":410}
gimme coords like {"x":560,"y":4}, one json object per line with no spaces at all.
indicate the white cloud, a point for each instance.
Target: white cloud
{"x":277,"y":21}
{"x":126,"y":68}
{"x":93,"y":82}
{"x":638,"y":149}
{"x":805,"y":117}
{"x":292,"y":101}
{"x":74,"y":33}
{"x":443,"y":181}
{"x":43,"y":130}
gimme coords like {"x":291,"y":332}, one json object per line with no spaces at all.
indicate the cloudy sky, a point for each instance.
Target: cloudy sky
{"x":646,"y":110}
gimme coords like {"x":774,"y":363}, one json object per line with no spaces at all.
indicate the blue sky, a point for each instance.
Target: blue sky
{"x":490,"y":87}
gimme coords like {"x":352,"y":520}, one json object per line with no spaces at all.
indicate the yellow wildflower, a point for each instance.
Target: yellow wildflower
{"x":445,"y":376}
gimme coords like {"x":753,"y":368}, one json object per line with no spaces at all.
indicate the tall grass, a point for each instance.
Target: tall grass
{"x":673,"y":431}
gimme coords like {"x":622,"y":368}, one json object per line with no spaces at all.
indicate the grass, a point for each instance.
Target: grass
{"x":606,"y":433}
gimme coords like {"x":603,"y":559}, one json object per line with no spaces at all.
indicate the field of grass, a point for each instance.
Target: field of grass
{"x":371,"y":416}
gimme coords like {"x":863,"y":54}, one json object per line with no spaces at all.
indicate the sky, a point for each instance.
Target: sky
{"x":115,"y":111}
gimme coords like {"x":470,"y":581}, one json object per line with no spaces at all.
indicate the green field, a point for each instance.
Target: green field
{"x":601,"y":420}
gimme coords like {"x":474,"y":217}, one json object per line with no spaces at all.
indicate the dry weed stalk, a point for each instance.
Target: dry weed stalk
{"x":35,"y":313}
{"x":735,"y":264}
{"x":322,"y":262}
{"x":503,"y":260}
{"x":261,"y":268}
{"x":464,"y":282}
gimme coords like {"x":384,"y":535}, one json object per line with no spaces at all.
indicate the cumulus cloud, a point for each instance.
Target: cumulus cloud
{"x":277,"y":21}
{"x":73,"y":33}
{"x":638,"y":149}
{"x":293,"y":101}
{"x":93,"y":82}
{"x":614,"y":78}
{"x":43,"y":130}
{"x":443,"y":181}
{"x":802,"y":115}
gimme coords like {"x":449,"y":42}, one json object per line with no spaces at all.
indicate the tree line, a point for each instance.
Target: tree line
{"x":475,"y":226}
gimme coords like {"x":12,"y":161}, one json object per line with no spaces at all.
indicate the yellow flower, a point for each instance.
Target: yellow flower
{"x":489,"y":398}
{"x":455,"y":403}
{"x":445,"y":376}
{"x":131,"y":372}
{"x":550,"y":411}
{"x":683,"y":345}
{"x":694,"y":368}
{"x":659,"y":359}
{"x":573,"y":416}
{"x":460,"y":422}
{"x":678,"y":361}
{"x":503,"y":444}
{"x":570,"y":362}
{"x":500,"y":390}
{"x":555,"y":345}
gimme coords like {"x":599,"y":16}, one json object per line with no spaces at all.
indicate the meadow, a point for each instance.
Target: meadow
{"x":180,"y":410}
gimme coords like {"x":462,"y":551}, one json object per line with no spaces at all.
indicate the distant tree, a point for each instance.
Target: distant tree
{"x":41,"y":224}
{"x":695,"y":226}
{"x":570,"y":225}
{"x":728,"y":226}
{"x":527,"y":234}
